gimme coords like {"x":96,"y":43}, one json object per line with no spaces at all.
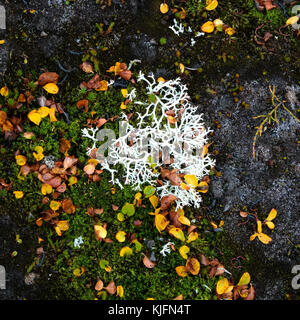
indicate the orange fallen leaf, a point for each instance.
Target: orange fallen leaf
{"x":148,"y":263}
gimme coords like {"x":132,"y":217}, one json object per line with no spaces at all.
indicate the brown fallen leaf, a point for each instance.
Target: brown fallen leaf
{"x":48,"y":77}
{"x":62,"y":188}
{"x":171,"y":175}
{"x":67,"y":206}
{"x":148,"y":263}
{"x":83,"y":104}
{"x":251,"y":294}
{"x":111,"y":288}
{"x":166,"y":201}
{"x":87,"y":67}
{"x":193,"y":266}
{"x":99,"y":285}
{"x":69,"y":162}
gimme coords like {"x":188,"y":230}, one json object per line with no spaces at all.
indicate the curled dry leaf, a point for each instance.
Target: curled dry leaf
{"x":83,"y":104}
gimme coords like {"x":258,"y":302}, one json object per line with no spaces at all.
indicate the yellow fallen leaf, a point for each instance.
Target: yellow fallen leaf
{"x":125,"y":251}
{"x":35,"y":117}
{"x":292,"y":20}
{"x":184,"y":250}
{"x":124,"y":92}
{"x":62,"y":225}
{"x":100,"y":232}
{"x":51,"y":88}
{"x":211,"y":4}
{"x":272,"y":215}
{"x":259,"y":226}
{"x":55,"y":205}
{"x":184,"y":186}
{"x":270,"y":225}
{"x":120,"y":291}
{"x":208,"y":27}
{"x":161,"y":222}
{"x":192,"y":237}
{"x":222,"y":286}
{"x":181,"y":67}
{"x":202,"y":187}
{"x":154,"y":201}
{"x":43,"y":111}
{"x":161,"y":79}
{"x":177,"y":233}
{"x":181,"y":271}
{"x":52,"y":114}
{"x":264,"y":238}
{"x":4,"y":91}
{"x":21,"y":160}
{"x":193,"y":266}
{"x":19,"y":194}
{"x":191,"y":180}
{"x":253,"y":236}
{"x":72,"y":180}
{"x":245,"y":279}
{"x":38,"y":156}
{"x":120,"y":236}
{"x":46,"y":189}
{"x":120,"y":217}
{"x":230,"y":31}
{"x":79,"y":271}
{"x":164,"y":8}
{"x":184,"y":220}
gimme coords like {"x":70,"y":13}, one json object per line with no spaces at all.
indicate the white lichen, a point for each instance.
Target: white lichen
{"x":166,"y":249}
{"x":155,"y":141}
{"x":177,"y":28}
